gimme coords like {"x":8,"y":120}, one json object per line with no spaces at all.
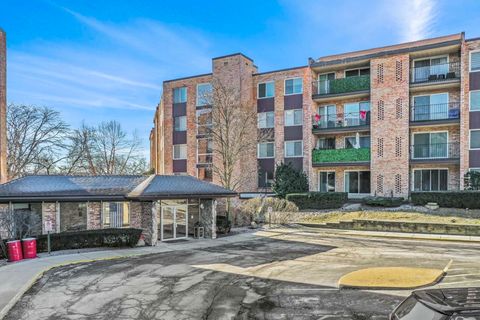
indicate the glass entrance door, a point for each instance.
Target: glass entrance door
{"x":174,"y":223}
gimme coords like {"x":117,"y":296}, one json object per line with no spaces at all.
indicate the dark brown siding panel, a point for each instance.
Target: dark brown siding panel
{"x":475,"y":80}
{"x":179,"y":109}
{"x":180,"y":165}
{"x":265,"y":105}
{"x":294,"y":101}
{"x":179,"y":137}
{"x":475,"y":120}
{"x":293,"y":133}
{"x":474,"y":158}
{"x":266,"y":164}
{"x":297,"y":163}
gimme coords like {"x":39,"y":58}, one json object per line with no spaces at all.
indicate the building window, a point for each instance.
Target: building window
{"x":205,"y":173}
{"x":357,"y":72}
{"x":430,"y":145}
{"x":475,"y":100}
{"x":204,"y":121}
{"x":293,"y":149}
{"x":326,"y":181}
{"x":326,"y":143}
{"x":116,"y":214}
{"x":293,"y":86}
{"x":474,"y":139}
{"x":351,"y":142}
{"x":265,"y":178}
{"x":430,"y":180}
{"x":179,"y":151}
{"x":204,"y":94}
{"x":204,"y":151}
{"x":293,"y":117}
{"x":180,"y":95}
{"x":423,"y":69}
{"x":266,"y":120}
{"x":430,"y":107}
{"x":356,"y":113}
{"x":266,"y":150}
{"x":266,"y":90}
{"x":475,"y":61}
{"x":180,"y":123}
{"x":357,"y":182}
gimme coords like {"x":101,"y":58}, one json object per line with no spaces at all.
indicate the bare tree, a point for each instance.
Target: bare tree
{"x":36,"y":139}
{"x":19,"y":224}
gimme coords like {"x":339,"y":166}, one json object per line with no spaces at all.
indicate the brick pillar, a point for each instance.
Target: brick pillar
{"x":390,"y":125}
{"x":208,"y":217}
{"x":50,"y":213}
{"x":3,"y":107}
{"x":94,"y":215}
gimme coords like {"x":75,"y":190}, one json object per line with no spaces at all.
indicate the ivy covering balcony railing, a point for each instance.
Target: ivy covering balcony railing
{"x":343,"y":85}
{"x":340,"y":155}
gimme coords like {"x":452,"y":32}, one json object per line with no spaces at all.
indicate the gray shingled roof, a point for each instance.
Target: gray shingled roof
{"x":163,"y":186}
{"x":60,"y":187}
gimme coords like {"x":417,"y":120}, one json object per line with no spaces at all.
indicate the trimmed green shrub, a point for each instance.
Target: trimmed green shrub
{"x":383,"y":201}
{"x":318,"y":200}
{"x":448,"y":199}
{"x":223,"y":224}
{"x":289,"y":180}
{"x":111,"y":237}
{"x":257,"y":208}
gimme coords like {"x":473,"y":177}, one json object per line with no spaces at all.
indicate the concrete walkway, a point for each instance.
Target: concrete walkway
{"x":16,"y":278}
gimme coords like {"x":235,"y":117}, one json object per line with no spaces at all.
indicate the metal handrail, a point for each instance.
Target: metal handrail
{"x":450,"y":150}
{"x":341,"y":120}
{"x":438,"y":111}
{"x":435,"y":73}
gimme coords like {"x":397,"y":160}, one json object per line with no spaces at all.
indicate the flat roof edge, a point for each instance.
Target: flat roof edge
{"x":189,"y":77}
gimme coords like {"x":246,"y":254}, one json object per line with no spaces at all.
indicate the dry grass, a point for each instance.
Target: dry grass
{"x":391,"y":278}
{"x":384,"y":215}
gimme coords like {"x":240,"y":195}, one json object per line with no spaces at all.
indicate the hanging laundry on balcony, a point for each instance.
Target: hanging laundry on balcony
{"x":317,"y":117}
{"x":363,"y":114}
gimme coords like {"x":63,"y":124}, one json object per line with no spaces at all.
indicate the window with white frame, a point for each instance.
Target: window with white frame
{"x":293,"y":86}
{"x":475,"y":100}
{"x":180,"y":123}
{"x":180,"y":95}
{"x":266,"y":90}
{"x":430,"y":180}
{"x":293,"y":149}
{"x":116,"y":214}
{"x":326,"y":181}
{"x":204,"y":94}
{"x":475,"y":139}
{"x":266,"y":150}
{"x":354,"y":143}
{"x":293,"y":117}
{"x":475,"y":61}
{"x":266,"y":120}
{"x":357,"y":72}
{"x":357,"y":182}
{"x":179,"y":151}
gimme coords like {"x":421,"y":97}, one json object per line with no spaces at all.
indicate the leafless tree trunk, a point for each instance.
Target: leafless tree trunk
{"x":19,"y":224}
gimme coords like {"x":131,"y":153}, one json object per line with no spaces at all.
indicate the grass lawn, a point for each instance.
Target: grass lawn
{"x":337,"y":216}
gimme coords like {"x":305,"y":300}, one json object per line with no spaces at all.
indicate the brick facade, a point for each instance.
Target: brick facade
{"x":391,"y":96}
{"x":3,"y":107}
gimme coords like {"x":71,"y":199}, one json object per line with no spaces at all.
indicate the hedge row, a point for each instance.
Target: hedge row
{"x":318,"y":200}
{"x":448,"y":199}
{"x":383,"y":201}
{"x":127,"y":237}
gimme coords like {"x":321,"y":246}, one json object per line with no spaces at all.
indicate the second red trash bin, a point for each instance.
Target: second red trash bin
{"x":29,"y":248}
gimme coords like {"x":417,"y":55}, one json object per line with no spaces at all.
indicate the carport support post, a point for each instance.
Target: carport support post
{"x":154,"y":222}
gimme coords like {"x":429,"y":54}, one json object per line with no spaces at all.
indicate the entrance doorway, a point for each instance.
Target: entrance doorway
{"x":173,"y":223}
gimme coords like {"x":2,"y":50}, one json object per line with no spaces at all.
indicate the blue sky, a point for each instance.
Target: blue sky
{"x":102,"y":60}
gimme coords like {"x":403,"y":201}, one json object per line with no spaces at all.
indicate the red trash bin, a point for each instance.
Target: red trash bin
{"x":14,"y":249}
{"x":29,"y":248}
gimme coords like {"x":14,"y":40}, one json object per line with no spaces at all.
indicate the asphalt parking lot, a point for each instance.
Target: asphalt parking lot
{"x":284,"y":274}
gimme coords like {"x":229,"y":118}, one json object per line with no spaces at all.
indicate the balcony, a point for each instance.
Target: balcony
{"x":441,"y":113}
{"x":351,"y":86}
{"x":342,"y":157}
{"x":340,"y":122}
{"x":435,"y":152}
{"x":436,"y":74}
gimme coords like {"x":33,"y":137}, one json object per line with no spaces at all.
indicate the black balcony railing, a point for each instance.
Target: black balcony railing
{"x":342,"y":85}
{"x":440,"y":111}
{"x":435,"y":151}
{"x":436,"y":73}
{"x":341,"y":120}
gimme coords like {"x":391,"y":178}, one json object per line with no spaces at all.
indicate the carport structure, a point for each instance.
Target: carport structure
{"x":165,"y":207}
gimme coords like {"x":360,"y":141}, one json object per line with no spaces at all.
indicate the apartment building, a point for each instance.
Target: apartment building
{"x":382,"y":121}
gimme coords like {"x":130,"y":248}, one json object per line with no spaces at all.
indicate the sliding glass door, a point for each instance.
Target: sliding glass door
{"x":430,"y":145}
{"x":357,"y":182}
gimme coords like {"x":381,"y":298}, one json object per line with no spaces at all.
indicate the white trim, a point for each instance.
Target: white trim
{"x":174,"y":226}
{"x":285,"y":149}
{"x":173,"y":151}
{"x":470,"y":100}
{"x":196,"y":94}
{"x":430,"y":58}
{"x":186,"y":94}
{"x":174,"y":123}
{"x":202,"y":154}
{"x":259,"y":113}
{"x":285,"y":117}
{"x":359,"y":68}
{"x":345,"y":180}
{"x":285,"y":86}
{"x":258,"y":149}
{"x":470,"y":139}
{"x":265,"y":82}
{"x":470,"y":60}
{"x":327,"y":171}
{"x":412,"y":138}
{"x":321,"y":74}
{"x":412,"y":179}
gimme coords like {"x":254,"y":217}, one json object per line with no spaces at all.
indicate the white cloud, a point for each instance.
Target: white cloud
{"x":415,"y":18}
